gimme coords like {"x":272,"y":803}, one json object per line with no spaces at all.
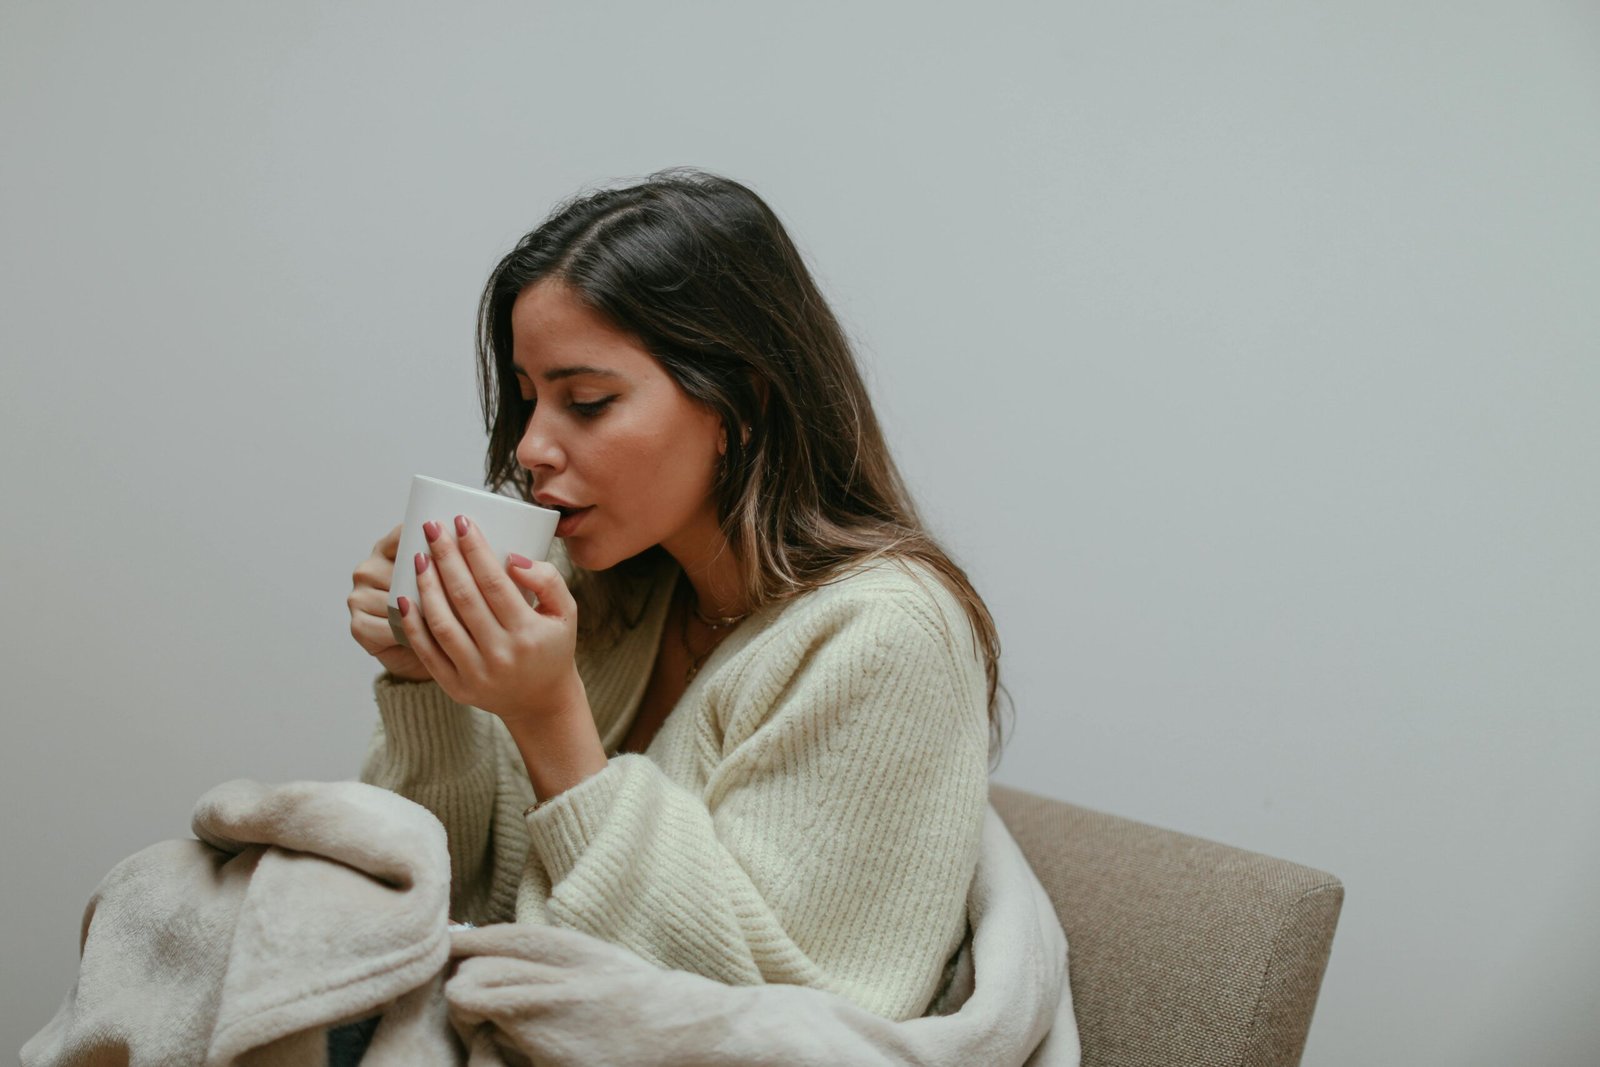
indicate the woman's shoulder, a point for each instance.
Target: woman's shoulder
{"x":888,"y":630}
{"x":893,"y":600}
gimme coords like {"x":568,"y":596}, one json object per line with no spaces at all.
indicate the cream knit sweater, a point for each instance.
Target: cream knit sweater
{"x":808,"y":814}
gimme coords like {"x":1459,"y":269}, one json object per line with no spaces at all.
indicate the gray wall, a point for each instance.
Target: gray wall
{"x":1245,"y":354}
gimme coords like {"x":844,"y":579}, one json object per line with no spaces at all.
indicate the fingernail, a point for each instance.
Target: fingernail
{"x":422,"y":563}
{"x":405,"y":607}
{"x":431,"y":529}
{"x":520,"y":561}
{"x":461,"y":526}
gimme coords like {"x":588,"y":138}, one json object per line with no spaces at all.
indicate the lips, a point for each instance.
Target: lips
{"x":571,"y":519}
{"x":572,"y":515}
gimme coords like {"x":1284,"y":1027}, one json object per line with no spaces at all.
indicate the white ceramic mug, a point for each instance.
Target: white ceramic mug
{"x":508,"y":524}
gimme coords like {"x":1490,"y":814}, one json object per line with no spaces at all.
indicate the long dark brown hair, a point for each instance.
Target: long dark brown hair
{"x":699,"y":268}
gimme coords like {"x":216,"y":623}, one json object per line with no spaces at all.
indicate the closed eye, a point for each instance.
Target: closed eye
{"x":586,"y":409}
{"x":592,"y":408}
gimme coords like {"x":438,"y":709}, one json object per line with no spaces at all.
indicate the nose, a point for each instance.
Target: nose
{"x":538,"y":447}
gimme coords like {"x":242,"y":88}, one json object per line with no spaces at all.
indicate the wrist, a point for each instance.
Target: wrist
{"x":559,"y":743}
{"x":560,"y":705}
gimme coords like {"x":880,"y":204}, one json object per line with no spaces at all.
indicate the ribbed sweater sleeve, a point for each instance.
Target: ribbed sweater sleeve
{"x":460,"y":763}
{"x":834,"y":840}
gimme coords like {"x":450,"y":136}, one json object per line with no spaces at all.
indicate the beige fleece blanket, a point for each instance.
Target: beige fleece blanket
{"x":310,"y":904}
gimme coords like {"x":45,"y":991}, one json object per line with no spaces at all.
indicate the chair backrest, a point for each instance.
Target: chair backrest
{"x":1180,"y":950}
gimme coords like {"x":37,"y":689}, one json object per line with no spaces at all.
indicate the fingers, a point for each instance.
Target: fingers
{"x":372,"y":632}
{"x":371,"y":571}
{"x":432,"y":631}
{"x":373,"y":574}
{"x":369,"y":615}
{"x":369,"y":619}
{"x":498,"y":592}
{"x":549,"y":587}
{"x":369,"y":595}
{"x":389,"y":544}
{"x":369,"y":600}
{"x":459,"y":584}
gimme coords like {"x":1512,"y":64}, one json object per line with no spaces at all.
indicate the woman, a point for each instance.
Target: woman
{"x":747,"y":730}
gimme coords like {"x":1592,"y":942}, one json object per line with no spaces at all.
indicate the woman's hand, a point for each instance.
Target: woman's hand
{"x":476,"y":634}
{"x":369,"y":612}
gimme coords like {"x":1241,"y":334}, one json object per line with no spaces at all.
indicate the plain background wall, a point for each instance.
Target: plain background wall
{"x":1245,"y":353}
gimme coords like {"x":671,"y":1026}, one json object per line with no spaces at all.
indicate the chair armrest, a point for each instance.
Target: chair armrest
{"x":1180,"y":950}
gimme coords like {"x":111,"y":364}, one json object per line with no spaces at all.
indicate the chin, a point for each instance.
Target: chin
{"x":579,"y":556}
{"x":597,"y":558}
{"x":589,"y":556}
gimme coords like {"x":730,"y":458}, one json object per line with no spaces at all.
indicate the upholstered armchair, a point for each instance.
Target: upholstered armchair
{"x":1182,"y":952}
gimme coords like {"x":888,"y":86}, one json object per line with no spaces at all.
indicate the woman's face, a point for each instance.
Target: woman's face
{"x":611,"y":433}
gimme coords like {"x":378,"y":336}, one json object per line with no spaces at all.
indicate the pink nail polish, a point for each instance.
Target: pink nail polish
{"x":461,"y":526}
{"x":422,"y":563}
{"x":405,"y":607}
{"x":431,"y":530}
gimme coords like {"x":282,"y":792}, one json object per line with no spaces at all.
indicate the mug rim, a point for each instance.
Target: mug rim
{"x":483,"y":493}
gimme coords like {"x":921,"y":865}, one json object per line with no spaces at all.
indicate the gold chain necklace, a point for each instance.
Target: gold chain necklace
{"x":722,"y":623}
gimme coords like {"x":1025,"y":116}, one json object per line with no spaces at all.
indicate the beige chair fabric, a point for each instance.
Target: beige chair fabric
{"x":1181,"y":950}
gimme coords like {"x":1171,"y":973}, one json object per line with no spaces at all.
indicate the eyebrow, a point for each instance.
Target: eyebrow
{"x":557,"y":373}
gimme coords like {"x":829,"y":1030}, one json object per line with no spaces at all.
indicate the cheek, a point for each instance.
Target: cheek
{"x":661,"y":462}
{"x":695,"y":451}
{"x":678,"y":469}
{"x":653,"y":472}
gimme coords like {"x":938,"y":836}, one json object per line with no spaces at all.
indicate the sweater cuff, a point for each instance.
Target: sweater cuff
{"x":562,"y":828}
{"x":428,"y":734}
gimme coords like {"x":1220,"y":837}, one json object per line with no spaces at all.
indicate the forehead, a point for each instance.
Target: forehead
{"x":553,"y":329}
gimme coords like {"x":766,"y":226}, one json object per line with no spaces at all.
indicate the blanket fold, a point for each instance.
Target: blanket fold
{"x":310,"y":904}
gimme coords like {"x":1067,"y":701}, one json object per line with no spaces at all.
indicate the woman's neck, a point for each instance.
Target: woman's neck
{"x":712,"y":569}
